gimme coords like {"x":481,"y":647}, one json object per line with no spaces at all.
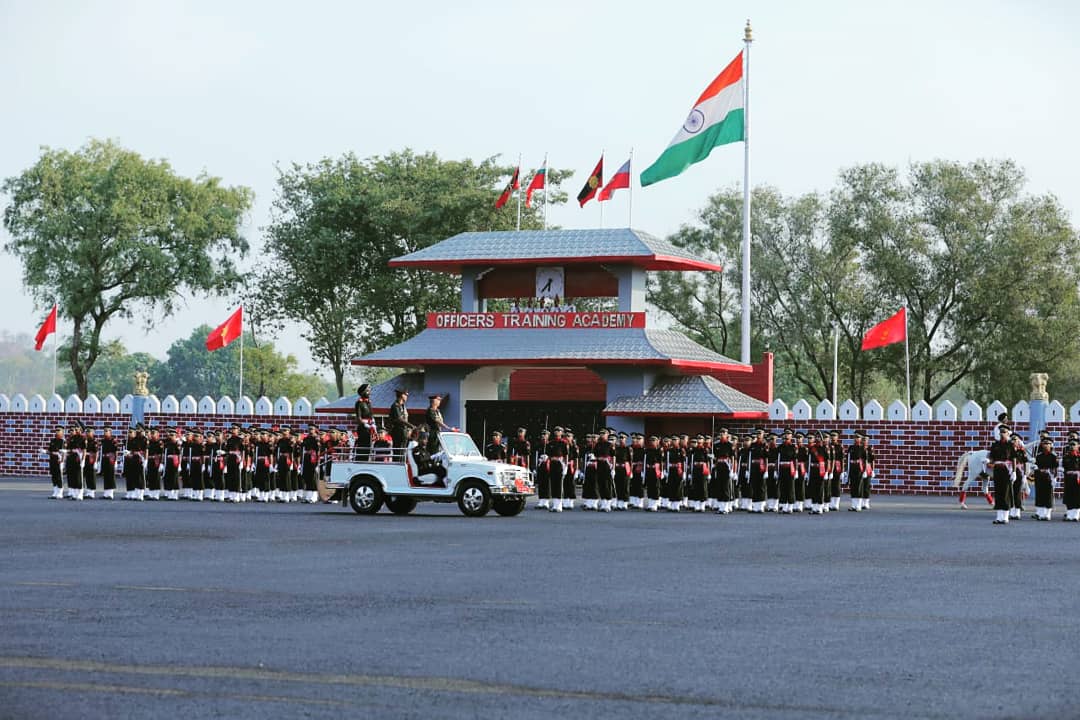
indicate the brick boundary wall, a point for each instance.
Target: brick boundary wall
{"x":913,"y":457}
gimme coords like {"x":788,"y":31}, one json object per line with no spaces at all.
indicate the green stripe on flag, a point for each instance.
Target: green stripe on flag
{"x":677,"y":158}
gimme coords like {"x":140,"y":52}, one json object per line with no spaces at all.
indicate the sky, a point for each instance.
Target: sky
{"x":238,"y":89}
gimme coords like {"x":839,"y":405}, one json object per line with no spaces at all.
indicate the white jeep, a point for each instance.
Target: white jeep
{"x":389,"y":475}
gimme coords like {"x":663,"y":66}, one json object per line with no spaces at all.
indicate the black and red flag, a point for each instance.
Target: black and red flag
{"x":511,"y":186}
{"x":595,"y":181}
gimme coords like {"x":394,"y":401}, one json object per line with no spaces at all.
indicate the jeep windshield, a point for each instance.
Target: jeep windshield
{"x":459,"y":445}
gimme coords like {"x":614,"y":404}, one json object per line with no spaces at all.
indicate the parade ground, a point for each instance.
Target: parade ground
{"x":176,"y":609}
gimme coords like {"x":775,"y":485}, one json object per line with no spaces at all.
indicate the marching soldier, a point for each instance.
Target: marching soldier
{"x":153,"y":465}
{"x":284,"y":455}
{"x":73,"y":469}
{"x":134,"y":464}
{"x":55,"y":452}
{"x":604,"y":452}
{"x":818,"y":470}
{"x":637,"y":472}
{"x":263,"y":458}
{"x":772,"y":477}
{"x":108,"y":464}
{"x":170,"y":462}
{"x":1046,"y":464}
{"x":787,"y":459}
{"x":856,"y":473}
{"x":589,"y":497}
{"x":721,"y":487}
{"x":555,"y":453}
{"x":1001,"y":462}
{"x":543,"y":473}
{"x":700,"y":458}
{"x":744,"y":459}
{"x":675,"y":460}
{"x":654,"y":473}
{"x":836,"y":471}
{"x":90,"y":460}
{"x":196,"y":459}
{"x":621,"y":454}
{"x":802,"y":465}
{"x":1070,"y":464}
{"x":1020,"y":462}
{"x":573,"y":467}
{"x":759,"y":467}
{"x":310,"y":447}
{"x":520,"y":450}
{"x":365,"y":423}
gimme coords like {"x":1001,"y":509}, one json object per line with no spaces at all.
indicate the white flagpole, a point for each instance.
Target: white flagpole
{"x":630,"y":199}
{"x":56,"y":332}
{"x":835,"y":366}
{"x":545,"y":190}
{"x":240,"y":397}
{"x":907,"y":359}
{"x":517,"y":192}
{"x":601,"y":188}
{"x":744,"y":338}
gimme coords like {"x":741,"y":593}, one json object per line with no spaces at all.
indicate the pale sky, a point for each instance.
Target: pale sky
{"x":235,"y":88}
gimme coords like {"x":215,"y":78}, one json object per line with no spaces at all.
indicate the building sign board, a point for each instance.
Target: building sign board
{"x":536,"y":321}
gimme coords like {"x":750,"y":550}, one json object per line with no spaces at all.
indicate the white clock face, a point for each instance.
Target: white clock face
{"x":549,"y":282}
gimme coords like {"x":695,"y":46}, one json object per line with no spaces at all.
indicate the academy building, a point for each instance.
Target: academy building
{"x":548,"y":360}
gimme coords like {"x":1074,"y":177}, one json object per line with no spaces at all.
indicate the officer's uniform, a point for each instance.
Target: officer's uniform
{"x":1046,"y":468}
{"x":1001,"y":462}
{"x":543,"y":471}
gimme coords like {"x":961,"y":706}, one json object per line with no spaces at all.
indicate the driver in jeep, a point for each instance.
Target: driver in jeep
{"x":428,"y":469}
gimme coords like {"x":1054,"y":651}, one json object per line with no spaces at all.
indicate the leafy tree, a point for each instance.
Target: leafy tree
{"x":336,"y":225}
{"x":193,"y":370}
{"x":114,"y":371}
{"x":106,"y":233}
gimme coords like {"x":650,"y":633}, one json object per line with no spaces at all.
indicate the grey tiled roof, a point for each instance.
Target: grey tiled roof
{"x":690,"y":395}
{"x":382,"y":395}
{"x":654,"y":346}
{"x":471,"y":248}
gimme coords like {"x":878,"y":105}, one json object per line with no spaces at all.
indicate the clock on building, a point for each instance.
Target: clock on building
{"x":549,"y":282}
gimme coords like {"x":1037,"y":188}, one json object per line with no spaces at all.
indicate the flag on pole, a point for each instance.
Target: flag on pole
{"x":47,"y":328}
{"x":621,"y":179}
{"x":511,"y":186}
{"x":592,"y":184}
{"x":887,"y":332}
{"x":227,"y":331}
{"x":716,"y":119}
{"x":537,"y":183}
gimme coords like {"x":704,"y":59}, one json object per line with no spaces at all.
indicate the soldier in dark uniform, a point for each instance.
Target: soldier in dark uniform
{"x":76,"y":447}
{"x":856,"y":472}
{"x":495,"y":450}
{"x":108,"y":464}
{"x":434,"y":419}
{"x":589,"y":495}
{"x":743,"y":464}
{"x":721,"y":487}
{"x":555,"y":453}
{"x":836,"y":471}
{"x":637,"y":472}
{"x":1020,"y":461}
{"x":675,"y":460}
{"x":283,"y":453}
{"x":700,"y":459}
{"x":573,"y":467}
{"x":604,"y":452}
{"x":543,"y":473}
{"x":263,"y":459}
{"x":153,"y":464}
{"x":55,"y":452}
{"x":1001,"y":461}
{"x":428,"y":471}
{"x":310,"y":448}
{"x":365,"y":423}
{"x":519,"y":450}
{"x":759,"y":466}
{"x":1046,"y":469}
{"x":868,"y":476}
{"x":90,"y":459}
{"x":1070,"y":486}
{"x":170,"y":463}
{"x":196,"y":452}
{"x":772,"y":474}
{"x":398,"y":421}
{"x":787,"y":459}
{"x":654,"y":473}
{"x":234,"y":448}
{"x":621,"y":479}
{"x":135,"y":456}
{"x":818,"y":468}
{"x":802,"y":465}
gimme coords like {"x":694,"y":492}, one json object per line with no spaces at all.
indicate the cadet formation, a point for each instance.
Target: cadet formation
{"x":265,"y":464}
{"x":757,"y":472}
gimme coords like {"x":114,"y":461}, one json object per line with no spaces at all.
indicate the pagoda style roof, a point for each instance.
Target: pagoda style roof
{"x":553,"y":247}
{"x":383,"y":396}
{"x":553,"y":348}
{"x":699,"y":395}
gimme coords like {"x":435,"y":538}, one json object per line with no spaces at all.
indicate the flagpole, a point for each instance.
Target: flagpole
{"x":545,"y":190}
{"x":630,"y":205}
{"x":835,"y":367}
{"x":601,"y":188}
{"x":241,"y":396}
{"x":744,"y":338}
{"x":907,"y":360}
{"x":517,"y":191}
{"x":54,"y":361}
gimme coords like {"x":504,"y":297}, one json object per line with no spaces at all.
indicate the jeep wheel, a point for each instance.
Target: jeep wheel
{"x":474,"y":499}
{"x":401,"y":505}
{"x":365,"y":496}
{"x":509,"y":508}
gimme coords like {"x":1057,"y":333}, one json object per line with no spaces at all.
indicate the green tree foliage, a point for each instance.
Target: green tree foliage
{"x":106,"y":233}
{"x":989,"y":274}
{"x":114,"y":371}
{"x":336,"y":225}
{"x":191,"y":369}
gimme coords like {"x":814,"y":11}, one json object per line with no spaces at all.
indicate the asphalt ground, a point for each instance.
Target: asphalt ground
{"x":914,"y":609}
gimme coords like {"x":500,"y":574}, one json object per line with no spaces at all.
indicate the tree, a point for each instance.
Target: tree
{"x":114,"y":371}
{"x":337,"y":223}
{"x":106,"y":233}
{"x":193,"y":370}
{"x":989,"y":275}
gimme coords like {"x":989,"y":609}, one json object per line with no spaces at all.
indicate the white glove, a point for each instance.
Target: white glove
{"x":843,"y":477}
{"x":543,"y":458}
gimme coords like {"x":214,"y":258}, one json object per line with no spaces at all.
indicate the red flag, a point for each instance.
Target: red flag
{"x":887,"y":332}
{"x":621,"y":179}
{"x":47,"y":328}
{"x":227,"y":331}
{"x":511,"y":186}
{"x":537,"y":183}
{"x":592,"y":184}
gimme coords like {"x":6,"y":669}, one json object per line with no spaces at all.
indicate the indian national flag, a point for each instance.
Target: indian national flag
{"x":717,"y":119}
